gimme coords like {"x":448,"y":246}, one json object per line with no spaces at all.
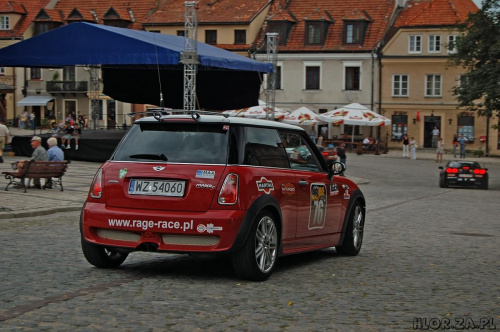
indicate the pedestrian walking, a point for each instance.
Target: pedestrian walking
{"x":440,"y":150}
{"x":4,"y":138}
{"x":435,"y":136}
{"x":463,"y":142}
{"x":342,"y":155}
{"x":32,"y":120}
{"x":413,"y":148}
{"x":406,"y":143}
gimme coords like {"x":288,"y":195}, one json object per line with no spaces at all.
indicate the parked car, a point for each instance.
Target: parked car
{"x":330,"y":154}
{"x":250,"y":189}
{"x":463,"y":174}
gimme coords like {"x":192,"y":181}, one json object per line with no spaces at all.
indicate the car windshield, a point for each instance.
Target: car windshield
{"x":458,"y":164}
{"x":174,"y":142}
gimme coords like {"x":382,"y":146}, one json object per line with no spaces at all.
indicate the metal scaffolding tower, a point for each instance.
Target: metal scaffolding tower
{"x":189,"y":56}
{"x":94,"y":92}
{"x":272,"y":58}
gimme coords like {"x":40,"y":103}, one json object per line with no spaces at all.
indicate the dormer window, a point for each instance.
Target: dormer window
{"x":282,"y":28}
{"x":315,"y":33}
{"x":354,"y":32}
{"x":4,"y":22}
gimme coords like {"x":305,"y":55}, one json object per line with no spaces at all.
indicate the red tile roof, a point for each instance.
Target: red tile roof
{"x":28,"y":10}
{"x":210,"y":11}
{"x":377,"y":12}
{"x":419,"y":13}
{"x":133,"y":11}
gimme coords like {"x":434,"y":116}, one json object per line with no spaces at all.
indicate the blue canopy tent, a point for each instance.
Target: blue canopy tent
{"x":131,"y":60}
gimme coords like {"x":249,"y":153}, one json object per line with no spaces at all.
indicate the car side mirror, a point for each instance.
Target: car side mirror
{"x":440,"y":167}
{"x":335,"y":168}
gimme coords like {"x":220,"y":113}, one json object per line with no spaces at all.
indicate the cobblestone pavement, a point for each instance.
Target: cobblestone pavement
{"x":430,"y":256}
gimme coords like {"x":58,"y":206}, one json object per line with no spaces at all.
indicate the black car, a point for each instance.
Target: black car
{"x":463,"y":174}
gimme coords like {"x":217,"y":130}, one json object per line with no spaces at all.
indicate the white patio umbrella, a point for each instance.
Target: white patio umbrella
{"x":302,"y":117}
{"x":259,"y":112}
{"x":356,"y":115}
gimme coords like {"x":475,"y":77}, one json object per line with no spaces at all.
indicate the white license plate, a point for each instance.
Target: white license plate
{"x":465,"y":175}
{"x":157,"y":187}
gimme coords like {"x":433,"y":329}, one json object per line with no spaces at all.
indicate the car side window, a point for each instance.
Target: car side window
{"x":263,"y":147}
{"x":299,"y":152}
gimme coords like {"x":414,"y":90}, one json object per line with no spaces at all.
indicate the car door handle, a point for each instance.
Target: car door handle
{"x":303,"y":183}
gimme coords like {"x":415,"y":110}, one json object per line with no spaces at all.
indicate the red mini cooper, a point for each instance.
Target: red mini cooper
{"x":202,"y":183}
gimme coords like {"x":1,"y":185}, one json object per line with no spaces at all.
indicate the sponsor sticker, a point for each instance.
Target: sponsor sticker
{"x":317,"y":214}
{"x":265,"y":185}
{"x":123,"y":172}
{"x":334,"y":190}
{"x":346,"y":192}
{"x":205,"y":174}
{"x":288,"y":189}
{"x":205,"y":186}
{"x":209,"y":228}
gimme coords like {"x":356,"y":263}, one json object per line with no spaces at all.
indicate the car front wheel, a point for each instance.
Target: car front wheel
{"x":257,"y":259}
{"x":101,"y":256}
{"x":354,"y":232}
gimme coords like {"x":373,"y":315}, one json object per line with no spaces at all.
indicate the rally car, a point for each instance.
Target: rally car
{"x":204,"y":183}
{"x":463,"y":174}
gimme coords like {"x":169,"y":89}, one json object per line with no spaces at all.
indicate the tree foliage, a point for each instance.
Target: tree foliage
{"x":478,"y":51}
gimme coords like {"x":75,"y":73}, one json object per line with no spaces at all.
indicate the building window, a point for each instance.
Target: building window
{"x":312,"y":78}
{"x":433,"y":85}
{"x":282,"y":29}
{"x":277,"y":78}
{"x":240,"y":36}
{"x":353,"y":33}
{"x":314,"y":35}
{"x":415,"y":44}
{"x":69,"y":74}
{"x":4,"y":22}
{"x":180,"y":33}
{"x":434,"y":44}
{"x":466,"y":127}
{"x":352,"y":78}
{"x":2,"y":71}
{"x":399,"y":127}
{"x":36,"y":73}
{"x":154,"y":31}
{"x":211,"y":37}
{"x":400,"y":86}
{"x":452,"y":44}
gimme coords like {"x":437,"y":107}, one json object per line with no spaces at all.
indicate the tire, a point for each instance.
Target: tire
{"x":484,"y":186}
{"x":354,"y":232}
{"x":442,"y":182}
{"x":101,"y":256}
{"x":257,"y":258}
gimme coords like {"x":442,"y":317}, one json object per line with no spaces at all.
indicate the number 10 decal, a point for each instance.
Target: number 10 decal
{"x":318,"y":206}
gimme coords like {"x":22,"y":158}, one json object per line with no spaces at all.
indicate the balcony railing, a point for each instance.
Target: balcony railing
{"x":67,"y":86}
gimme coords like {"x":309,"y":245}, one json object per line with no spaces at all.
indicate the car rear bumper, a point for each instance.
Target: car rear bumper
{"x":465,"y":182}
{"x":135,"y":229}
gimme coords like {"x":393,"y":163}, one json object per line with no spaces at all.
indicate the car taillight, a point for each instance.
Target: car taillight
{"x":96,"y":189}
{"x":479,"y":171}
{"x":451,"y":170}
{"x":229,"y":192}
{"x":466,"y":167}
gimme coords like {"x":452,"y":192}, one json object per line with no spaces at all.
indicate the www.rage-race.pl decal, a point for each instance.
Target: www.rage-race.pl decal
{"x":317,"y":214}
{"x":265,"y":185}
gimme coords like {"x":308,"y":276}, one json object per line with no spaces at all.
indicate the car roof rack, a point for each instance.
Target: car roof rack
{"x":157,"y":113}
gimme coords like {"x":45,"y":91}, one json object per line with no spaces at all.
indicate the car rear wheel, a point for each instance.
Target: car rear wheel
{"x":484,"y":185}
{"x":354,"y":232}
{"x":442,"y":182}
{"x":101,"y":256}
{"x":257,"y":259}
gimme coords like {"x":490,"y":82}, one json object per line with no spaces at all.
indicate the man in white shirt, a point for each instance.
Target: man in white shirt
{"x":4,"y":138}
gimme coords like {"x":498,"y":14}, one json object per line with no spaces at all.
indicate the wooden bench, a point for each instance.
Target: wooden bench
{"x":32,"y":169}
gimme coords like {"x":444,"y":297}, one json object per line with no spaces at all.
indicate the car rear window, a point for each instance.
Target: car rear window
{"x":174,"y":142}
